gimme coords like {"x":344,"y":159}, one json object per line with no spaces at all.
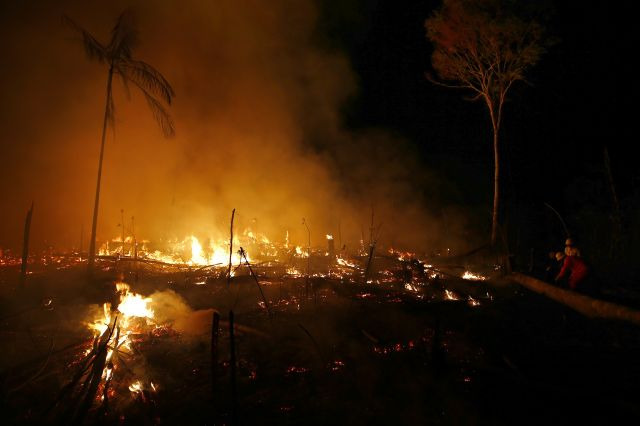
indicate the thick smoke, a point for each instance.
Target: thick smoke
{"x":257,"y":121}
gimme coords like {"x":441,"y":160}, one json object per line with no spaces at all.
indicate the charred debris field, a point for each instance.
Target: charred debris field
{"x":347,"y":341}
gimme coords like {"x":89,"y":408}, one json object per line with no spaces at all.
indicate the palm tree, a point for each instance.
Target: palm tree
{"x":155,"y":88}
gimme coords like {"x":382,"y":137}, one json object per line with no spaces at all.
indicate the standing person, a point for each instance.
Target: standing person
{"x":575,"y":267}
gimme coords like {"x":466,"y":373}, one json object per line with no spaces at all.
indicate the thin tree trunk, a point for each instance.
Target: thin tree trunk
{"x":496,"y":186}
{"x":25,"y":247}
{"x":306,"y":281}
{"x":372,"y":248}
{"x":94,"y":224}
{"x":495,"y":125}
{"x":233,"y":213}
{"x":122,"y":223}
{"x":243,"y":254}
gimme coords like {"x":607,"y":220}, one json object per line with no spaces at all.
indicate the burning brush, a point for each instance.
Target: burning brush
{"x":93,"y":381}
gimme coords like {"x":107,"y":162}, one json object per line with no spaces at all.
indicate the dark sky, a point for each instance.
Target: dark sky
{"x":554,"y":131}
{"x":291,"y":109}
{"x":555,"y":127}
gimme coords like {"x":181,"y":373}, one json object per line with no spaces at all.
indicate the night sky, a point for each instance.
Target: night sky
{"x":338,"y":87}
{"x":554,"y":129}
{"x":556,"y":126}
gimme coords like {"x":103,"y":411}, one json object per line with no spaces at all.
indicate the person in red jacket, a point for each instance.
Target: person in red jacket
{"x":573,"y":266}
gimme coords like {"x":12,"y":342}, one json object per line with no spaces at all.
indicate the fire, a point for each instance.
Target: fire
{"x":131,"y":305}
{"x":134,"y":305}
{"x":136,"y":387}
{"x":108,"y":373}
{"x":196,"y":252}
{"x":132,"y":311}
{"x":450,"y":295}
{"x":188,"y":251}
{"x":294,"y":272}
{"x":344,"y":262}
{"x":329,"y":237}
{"x":473,"y":277}
{"x":402,"y":255}
{"x":410,"y":287}
{"x":301,"y":253}
{"x":472,"y":301}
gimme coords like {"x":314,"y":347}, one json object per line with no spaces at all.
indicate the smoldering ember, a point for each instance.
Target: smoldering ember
{"x":317,"y":212}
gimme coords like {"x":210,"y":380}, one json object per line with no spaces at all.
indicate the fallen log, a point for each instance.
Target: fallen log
{"x":586,"y":305}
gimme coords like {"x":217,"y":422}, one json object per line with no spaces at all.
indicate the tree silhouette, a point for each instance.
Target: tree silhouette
{"x":117,"y":55}
{"x":484,"y":46}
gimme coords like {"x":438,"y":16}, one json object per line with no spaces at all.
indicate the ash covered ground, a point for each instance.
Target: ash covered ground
{"x":411,"y":346}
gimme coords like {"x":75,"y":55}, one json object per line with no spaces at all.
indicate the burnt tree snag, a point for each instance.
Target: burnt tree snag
{"x":25,"y":247}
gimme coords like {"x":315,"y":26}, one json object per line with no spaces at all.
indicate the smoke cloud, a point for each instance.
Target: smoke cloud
{"x":258,"y":129}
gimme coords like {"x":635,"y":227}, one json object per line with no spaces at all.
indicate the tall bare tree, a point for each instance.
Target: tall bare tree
{"x":484,"y":46}
{"x":117,"y":55}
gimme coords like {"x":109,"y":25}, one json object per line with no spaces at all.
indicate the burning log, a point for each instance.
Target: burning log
{"x":108,"y":377}
{"x":95,"y":360}
{"x":25,"y":247}
{"x":94,"y":379}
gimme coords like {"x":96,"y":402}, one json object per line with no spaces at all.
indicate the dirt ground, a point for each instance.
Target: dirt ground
{"x":331,"y":350}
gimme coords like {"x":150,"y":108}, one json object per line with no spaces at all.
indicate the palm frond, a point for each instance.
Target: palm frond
{"x":123,"y":78}
{"x":92,"y":47}
{"x":147,"y":77}
{"x":124,"y":37}
{"x":160,"y":114}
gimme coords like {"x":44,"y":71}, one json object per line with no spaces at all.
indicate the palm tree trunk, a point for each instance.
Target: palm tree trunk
{"x":94,"y":225}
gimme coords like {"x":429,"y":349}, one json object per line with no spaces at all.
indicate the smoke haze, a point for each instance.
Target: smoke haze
{"x":258,"y":129}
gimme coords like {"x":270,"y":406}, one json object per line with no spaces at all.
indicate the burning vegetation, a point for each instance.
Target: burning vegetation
{"x":189,"y":318}
{"x":284,"y":333}
{"x":167,"y":303}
